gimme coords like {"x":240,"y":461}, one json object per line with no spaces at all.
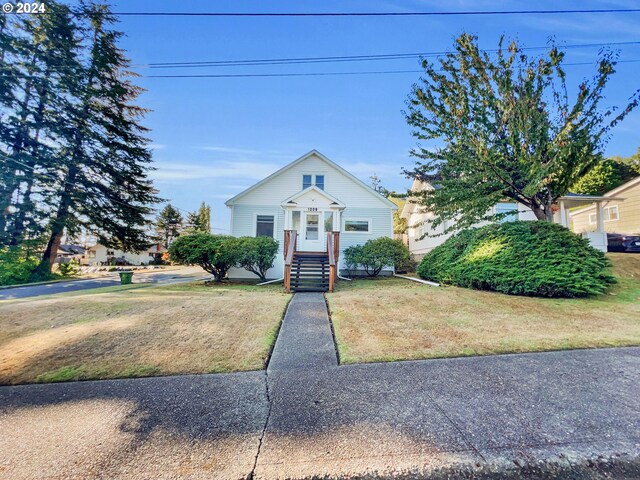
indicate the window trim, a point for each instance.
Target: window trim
{"x":369,"y":224}
{"x":313,"y":179}
{"x":275,"y":223}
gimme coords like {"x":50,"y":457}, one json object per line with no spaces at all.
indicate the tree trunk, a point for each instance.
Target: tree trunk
{"x":58,"y":225}
{"x":543,"y":212}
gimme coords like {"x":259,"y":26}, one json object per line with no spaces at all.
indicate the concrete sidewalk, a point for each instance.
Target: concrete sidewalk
{"x":573,"y":414}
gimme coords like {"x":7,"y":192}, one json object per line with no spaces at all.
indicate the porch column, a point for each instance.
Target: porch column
{"x":287,"y":219}
{"x":564,"y":221}
{"x":599,"y":217}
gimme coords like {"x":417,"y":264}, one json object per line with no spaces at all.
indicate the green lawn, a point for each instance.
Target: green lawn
{"x":394,"y":319}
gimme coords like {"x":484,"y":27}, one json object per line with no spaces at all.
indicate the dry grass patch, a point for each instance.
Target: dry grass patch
{"x":139,"y":332}
{"x":394,"y":319}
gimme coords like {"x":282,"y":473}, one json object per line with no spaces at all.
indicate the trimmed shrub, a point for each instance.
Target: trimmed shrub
{"x":538,"y":258}
{"x":376,"y":254}
{"x":15,"y":266}
{"x":69,"y":269}
{"x":257,"y":254}
{"x":216,"y":254}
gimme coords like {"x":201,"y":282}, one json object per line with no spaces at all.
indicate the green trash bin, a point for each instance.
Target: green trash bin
{"x":125,"y":277}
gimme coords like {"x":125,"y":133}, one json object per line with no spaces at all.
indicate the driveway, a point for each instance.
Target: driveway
{"x":184,"y":274}
{"x":570,"y":414}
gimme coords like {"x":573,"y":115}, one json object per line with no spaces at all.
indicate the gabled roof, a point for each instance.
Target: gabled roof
{"x":313,"y":188}
{"x":389,"y":203}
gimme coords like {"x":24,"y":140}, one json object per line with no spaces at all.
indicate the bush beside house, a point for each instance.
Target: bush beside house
{"x":257,"y":254}
{"x":520,"y":258}
{"x":376,"y":254}
{"x":216,"y":254}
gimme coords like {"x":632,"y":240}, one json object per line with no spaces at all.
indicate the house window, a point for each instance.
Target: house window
{"x":110,"y":253}
{"x":507,"y":207}
{"x":357,"y":226}
{"x":265,"y":225}
{"x":328,"y":221}
{"x":317,"y":180}
{"x":609,"y":214}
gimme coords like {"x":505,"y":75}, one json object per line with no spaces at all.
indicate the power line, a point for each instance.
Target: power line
{"x":374,"y":14}
{"x":355,"y":58}
{"x":324,"y":74}
{"x":336,"y":58}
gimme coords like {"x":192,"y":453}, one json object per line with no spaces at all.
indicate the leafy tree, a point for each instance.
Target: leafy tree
{"x":376,"y":254}
{"x":257,"y":254}
{"x":399,"y":224}
{"x":168,"y":225}
{"x":216,"y":254}
{"x":608,"y":174}
{"x":508,"y":128}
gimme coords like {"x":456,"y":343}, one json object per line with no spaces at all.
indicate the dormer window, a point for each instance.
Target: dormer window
{"x":309,"y":180}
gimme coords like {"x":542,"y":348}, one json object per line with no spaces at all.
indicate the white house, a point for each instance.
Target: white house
{"x":304,"y":201}
{"x":418,"y":225}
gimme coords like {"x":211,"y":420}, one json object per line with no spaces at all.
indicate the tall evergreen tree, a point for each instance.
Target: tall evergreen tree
{"x":104,"y":161}
{"x":168,"y":225}
{"x":204,"y":217}
{"x":42,"y":60}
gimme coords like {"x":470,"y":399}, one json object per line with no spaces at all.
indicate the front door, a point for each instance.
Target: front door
{"x":312,"y":232}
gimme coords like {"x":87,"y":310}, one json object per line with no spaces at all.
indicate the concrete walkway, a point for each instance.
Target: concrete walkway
{"x":573,"y":414}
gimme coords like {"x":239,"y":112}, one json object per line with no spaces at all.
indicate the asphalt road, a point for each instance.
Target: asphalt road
{"x":187,"y":274}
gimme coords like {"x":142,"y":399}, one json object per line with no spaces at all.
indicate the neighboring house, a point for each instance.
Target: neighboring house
{"x":417,"y":222}
{"x":423,"y":237}
{"x":618,"y":216}
{"x":68,"y":253}
{"x":101,"y":255}
{"x":308,"y":198}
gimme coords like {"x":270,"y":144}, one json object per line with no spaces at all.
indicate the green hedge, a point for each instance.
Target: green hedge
{"x":520,"y":258}
{"x":16,"y":266}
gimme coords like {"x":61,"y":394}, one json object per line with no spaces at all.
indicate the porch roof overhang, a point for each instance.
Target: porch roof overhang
{"x":574,"y":200}
{"x":291,"y":201}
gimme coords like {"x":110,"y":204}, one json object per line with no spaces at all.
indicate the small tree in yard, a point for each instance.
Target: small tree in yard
{"x":216,"y":254}
{"x":257,"y":254}
{"x":508,"y":128}
{"x":376,"y":254}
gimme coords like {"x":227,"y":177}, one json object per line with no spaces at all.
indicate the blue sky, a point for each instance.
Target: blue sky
{"x":214,"y":137}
